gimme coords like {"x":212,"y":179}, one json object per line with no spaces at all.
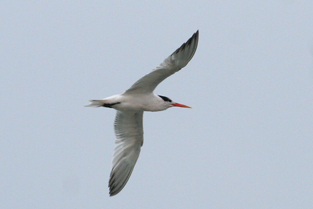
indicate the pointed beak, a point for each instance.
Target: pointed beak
{"x":180,"y":105}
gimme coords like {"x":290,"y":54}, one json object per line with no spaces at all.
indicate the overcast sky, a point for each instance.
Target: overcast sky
{"x":247,"y":142}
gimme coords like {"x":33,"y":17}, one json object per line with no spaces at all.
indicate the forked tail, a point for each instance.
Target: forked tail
{"x":95,"y":103}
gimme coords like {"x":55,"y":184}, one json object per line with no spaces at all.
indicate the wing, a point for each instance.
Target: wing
{"x":129,"y":138}
{"x":169,"y":66}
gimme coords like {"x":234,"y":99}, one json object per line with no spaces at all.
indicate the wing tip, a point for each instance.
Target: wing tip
{"x":113,"y":188}
{"x":193,"y":39}
{"x":115,"y":185}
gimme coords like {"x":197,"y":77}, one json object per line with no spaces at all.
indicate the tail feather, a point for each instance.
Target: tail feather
{"x":95,"y":103}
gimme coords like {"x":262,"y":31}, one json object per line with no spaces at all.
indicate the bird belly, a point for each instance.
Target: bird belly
{"x":140,"y":103}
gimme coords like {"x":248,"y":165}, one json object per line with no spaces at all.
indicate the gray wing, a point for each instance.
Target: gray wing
{"x":129,"y":139}
{"x":169,"y":66}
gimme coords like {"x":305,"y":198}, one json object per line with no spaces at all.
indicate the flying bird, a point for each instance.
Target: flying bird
{"x":130,"y":107}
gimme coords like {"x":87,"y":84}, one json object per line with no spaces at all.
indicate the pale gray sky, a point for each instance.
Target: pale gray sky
{"x":247,"y":142}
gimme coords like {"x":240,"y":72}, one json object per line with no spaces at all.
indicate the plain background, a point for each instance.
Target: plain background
{"x":247,"y":142}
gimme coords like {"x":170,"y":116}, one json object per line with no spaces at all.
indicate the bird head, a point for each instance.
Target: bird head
{"x":169,"y":103}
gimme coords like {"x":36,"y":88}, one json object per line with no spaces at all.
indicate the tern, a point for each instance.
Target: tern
{"x":130,"y":107}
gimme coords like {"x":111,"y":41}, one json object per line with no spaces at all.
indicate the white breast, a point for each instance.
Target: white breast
{"x":139,"y":102}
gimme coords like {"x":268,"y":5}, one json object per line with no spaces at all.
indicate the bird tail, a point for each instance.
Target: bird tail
{"x":95,"y":103}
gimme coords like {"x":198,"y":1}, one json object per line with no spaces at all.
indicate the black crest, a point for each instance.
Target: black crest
{"x":165,"y":99}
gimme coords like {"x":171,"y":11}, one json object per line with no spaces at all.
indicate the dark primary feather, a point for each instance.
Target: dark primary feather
{"x":195,"y":36}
